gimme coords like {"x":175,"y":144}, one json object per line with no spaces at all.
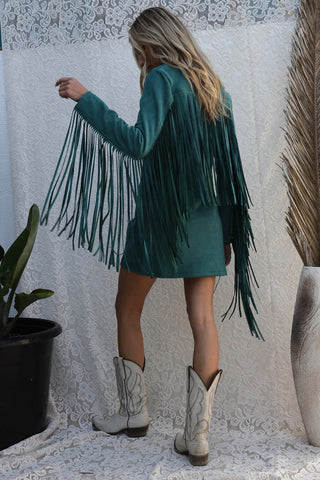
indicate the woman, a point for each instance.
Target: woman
{"x":182,"y":166}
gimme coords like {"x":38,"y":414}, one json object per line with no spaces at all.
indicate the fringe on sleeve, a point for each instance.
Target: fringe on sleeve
{"x":92,"y":193}
{"x":227,"y":150}
{"x":99,"y":190}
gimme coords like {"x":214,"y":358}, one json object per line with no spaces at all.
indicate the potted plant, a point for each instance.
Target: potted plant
{"x":25,"y":345}
{"x":301,"y":164}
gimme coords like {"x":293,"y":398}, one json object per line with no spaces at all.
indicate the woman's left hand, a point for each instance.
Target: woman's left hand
{"x":69,"y":87}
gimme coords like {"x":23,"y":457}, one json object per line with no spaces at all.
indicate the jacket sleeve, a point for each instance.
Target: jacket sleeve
{"x":137,"y":140}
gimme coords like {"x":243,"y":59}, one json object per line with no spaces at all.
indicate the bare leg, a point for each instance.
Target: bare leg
{"x":199,"y":299}
{"x":132,"y":291}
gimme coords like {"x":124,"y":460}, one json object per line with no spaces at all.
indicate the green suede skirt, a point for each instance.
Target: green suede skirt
{"x":203,"y":257}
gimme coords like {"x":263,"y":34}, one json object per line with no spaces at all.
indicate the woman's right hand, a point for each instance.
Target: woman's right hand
{"x":70,"y":87}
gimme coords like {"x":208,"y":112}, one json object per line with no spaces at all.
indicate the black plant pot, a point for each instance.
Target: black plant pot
{"x":25,"y":364}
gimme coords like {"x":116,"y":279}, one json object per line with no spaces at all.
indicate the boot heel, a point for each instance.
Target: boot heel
{"x":198,"y":460}
{"x":181,"y":452}
{"x":137,"y":432}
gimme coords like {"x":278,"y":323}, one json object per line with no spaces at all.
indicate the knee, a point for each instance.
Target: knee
{"x":120,"y":308}
{"x":126,"y":312}
{"x":200,"y":319}
{"x":117,"y":305}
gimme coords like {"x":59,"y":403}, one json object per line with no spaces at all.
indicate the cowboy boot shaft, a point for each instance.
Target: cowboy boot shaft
{"x":132,"y":418}
{"x":193,"y":441}
{"x":131,"y":386}
{"x":199,"y":405}
{"x":119,"y":370}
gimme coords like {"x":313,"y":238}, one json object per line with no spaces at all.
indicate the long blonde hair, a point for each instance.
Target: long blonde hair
{"x":170,"y":42}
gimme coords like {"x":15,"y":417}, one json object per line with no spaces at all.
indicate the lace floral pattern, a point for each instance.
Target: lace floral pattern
{"x":31,"y":24}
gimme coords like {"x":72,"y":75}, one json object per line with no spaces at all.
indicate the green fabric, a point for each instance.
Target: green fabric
{"x":202,"y":256}
{"x":155,"y":172}
{"x":135,"y":141}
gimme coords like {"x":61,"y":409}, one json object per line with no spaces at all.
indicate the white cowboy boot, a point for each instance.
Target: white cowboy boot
{"x":132,"y":418}
{"x":193,"y":441}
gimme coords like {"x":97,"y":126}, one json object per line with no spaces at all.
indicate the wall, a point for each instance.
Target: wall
{"x":7,"y":231}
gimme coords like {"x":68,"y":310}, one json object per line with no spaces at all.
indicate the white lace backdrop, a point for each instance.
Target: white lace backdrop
{"x":256,"y":432}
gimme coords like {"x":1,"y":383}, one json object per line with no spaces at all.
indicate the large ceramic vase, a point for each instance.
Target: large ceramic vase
{"x":305,"y":351}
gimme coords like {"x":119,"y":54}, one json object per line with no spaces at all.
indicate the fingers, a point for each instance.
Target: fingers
{"x":62,"y":80}
{"x":63,"y":87}
{"x":63,"y":93}
{"x":69,"y":87}
{"x":63,"y":83}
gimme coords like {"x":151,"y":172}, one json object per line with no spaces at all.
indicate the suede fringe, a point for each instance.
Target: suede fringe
{"x":98,"y":190}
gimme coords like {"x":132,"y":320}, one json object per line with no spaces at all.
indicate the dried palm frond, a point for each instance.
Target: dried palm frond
{"x":301,"y":161}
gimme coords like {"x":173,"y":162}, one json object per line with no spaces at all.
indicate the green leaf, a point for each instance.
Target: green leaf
{"x":2,"y":306}
{"x":1,"y":257}
{"x":4,"y":291}
{"x":15,"y":259}
{"x":23,"y":300}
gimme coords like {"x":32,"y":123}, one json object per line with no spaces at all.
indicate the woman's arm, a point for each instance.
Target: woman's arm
{"x":137,"y":140}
